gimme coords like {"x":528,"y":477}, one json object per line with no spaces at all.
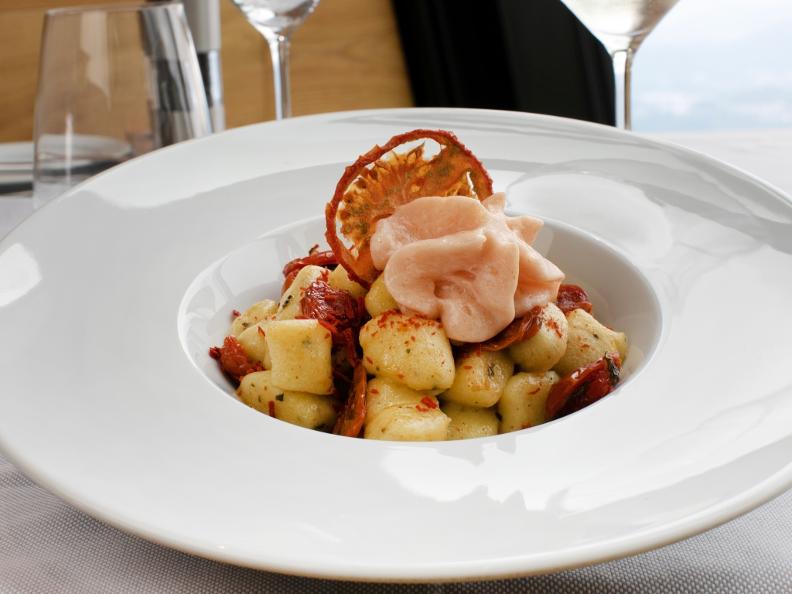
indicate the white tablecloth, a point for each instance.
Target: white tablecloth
{"x":49,"y":547}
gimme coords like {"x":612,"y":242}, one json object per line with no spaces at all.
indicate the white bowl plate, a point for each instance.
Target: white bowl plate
{"x":111,"y":295}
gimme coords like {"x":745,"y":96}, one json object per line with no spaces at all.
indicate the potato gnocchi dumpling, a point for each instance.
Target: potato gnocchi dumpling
{"x":252,"y":315}
{"x":299,"y":408}
{"x":588,"y":341}
{"x":479,"y":378}
{"x":545,"y":348}
{"x":254,"y":342}
{"x":411,"y":362}
{"x":408,"y":415}
{"x":411,"y":350}
{"x":339,"y":352}
{"x":408,"y":422}
{"x":470,"y":421}
{"x":299,"y":352}
{"x":289,"y":304}
{"x":339,"y":279}
{"x":378,"y":299}
{"x":523,"y":402}
{"x":419,"y":386}
{"x":382,"y":393}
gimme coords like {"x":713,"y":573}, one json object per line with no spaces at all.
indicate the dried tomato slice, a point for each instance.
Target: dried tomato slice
{"x":584,"y":386}
{"x":381,"y":180}
{"x":325,"y":258}
{"x":350,"y":420}
{"x":571,"y":297}
{"x":520,"y":329}
{"x":233,"y":360}
{"x":337,"y":310}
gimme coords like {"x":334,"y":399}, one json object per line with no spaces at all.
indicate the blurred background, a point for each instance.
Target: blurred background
{"x":710,"y":64}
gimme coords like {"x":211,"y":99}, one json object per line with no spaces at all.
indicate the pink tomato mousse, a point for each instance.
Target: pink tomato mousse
{"x":464,"y":262}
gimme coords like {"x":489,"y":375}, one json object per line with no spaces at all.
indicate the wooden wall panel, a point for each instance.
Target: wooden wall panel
{"x":346,"y":56}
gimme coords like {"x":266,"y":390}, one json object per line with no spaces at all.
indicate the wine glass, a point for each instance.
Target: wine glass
{"x":621,"y":26}
{"x":276,"y":20}
{"x":114,"y":82}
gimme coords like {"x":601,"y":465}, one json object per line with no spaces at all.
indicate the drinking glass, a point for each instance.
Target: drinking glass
{"x":276,"y":20}
{"x":621,"y":26}
{"x":114,"y":82}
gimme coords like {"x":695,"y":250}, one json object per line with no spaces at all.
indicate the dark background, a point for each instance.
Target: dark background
{"x":524,"y":55}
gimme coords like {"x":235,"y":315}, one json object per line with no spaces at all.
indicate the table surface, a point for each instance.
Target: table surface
{"x":48,"y":546}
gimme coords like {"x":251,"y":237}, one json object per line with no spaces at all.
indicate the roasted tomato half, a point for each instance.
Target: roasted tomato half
{"x":584,"y":386}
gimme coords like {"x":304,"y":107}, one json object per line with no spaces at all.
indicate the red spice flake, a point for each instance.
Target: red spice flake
{"x":350,"y":421}
{"x":369,"y":360}
{"x":235,"y":313}
{"x":571,"y":297}
{"x":421,"y":408}
{"x":433,"y":333}
{"x":385,"y":317}
{"x":583,"y":386}
{"x":374,"y":391}
{"x":553,"y":325}
{"x":261,"y":332}
{"x":233,"y":360}
{"x":400,"y":375}
{"x":429,"y":402}
{"x":271,"y":408}
{"x":520,"y":329}
{"x":467,"y":367}
{"x":412,"y":338}
{"x":526,"y":425}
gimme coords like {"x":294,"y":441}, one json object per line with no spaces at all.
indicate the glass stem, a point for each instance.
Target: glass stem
{"x":622,"y":71}
{"x":279,"y":52}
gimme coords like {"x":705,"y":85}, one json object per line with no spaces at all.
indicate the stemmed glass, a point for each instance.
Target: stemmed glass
{"x":621,"y":26}
{"x":276,"y":20}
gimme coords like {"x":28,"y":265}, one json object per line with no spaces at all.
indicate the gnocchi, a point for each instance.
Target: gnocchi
{"x":421,"y":387}
{"x":408,"y":349}
{"x":253,"y":315}
{"x":470,"y":421}
{"x":254,"y":342}
{"x":406,"y":422}
{"x":299,"y":408}
{"x":479,"y":378}
{"x":299,"y":353}
{"x":378,"y":300}
{"x":289,"y":304}
{"x":473,"y":335}
{"x":524,"y":399}
{"x":545,"y":348}
{"x":588,"y":341}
